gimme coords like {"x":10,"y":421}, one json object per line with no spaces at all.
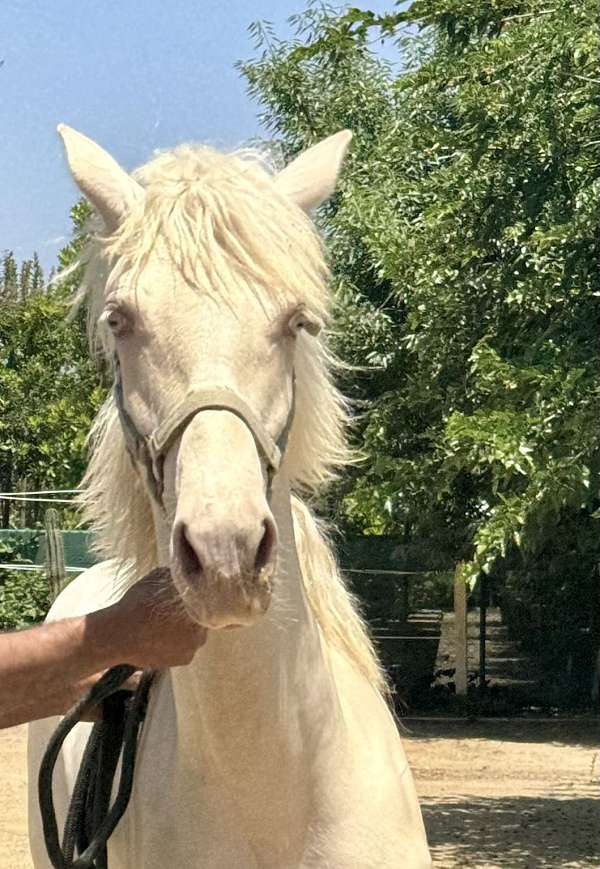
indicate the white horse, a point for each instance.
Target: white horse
{"x":275,"y":748}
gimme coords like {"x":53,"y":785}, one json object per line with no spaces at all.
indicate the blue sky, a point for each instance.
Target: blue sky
{"x":133,"y":74}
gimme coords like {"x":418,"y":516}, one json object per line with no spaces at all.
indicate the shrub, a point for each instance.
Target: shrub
{"x":24,"y":599}
{"x":24,"y":595}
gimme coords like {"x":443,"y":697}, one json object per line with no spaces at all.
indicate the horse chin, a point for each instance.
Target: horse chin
{"x":224,"y":606}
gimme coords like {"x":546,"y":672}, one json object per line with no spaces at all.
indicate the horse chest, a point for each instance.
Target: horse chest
{"x":177,"y":818}
{"x":183,"y":813}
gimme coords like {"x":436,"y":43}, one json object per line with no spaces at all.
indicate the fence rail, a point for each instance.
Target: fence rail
{"x":38,"y":568}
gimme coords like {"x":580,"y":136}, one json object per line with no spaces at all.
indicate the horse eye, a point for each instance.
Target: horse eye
{"x":117,"y":321}
{"x":302,"y":320}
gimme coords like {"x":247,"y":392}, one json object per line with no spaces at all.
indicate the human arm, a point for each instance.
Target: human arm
{"x":43,"y":670}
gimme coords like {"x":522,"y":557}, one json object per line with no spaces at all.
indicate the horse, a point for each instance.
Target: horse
{"x":207,"y":290}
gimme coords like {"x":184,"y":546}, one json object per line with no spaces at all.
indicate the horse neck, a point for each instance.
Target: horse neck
{"x":250,"y":715}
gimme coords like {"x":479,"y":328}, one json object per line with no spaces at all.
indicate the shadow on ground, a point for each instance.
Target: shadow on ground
{"x":584,"y":732}
{"x":513,"y":832}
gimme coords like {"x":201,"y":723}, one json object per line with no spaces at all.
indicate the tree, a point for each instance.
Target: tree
{"x":49,"y":388}
{"x":464,"y":245}
{"x":9,"y":275}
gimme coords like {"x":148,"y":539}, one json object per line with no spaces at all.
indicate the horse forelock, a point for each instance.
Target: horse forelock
{"x":224,"y":225}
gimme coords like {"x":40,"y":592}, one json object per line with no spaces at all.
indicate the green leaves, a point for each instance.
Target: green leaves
{"x":465,"y":253}
{"x":24,"y":595}
{"x":49,"y":391}
{"x":24,"y":599}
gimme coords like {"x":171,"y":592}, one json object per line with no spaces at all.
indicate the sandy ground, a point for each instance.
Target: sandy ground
{"x":509,"y":794}
{"x":14,"y":851}
{"x":494,"y":794}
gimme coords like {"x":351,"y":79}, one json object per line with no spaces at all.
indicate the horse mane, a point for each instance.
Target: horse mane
{"x":220,"y":218}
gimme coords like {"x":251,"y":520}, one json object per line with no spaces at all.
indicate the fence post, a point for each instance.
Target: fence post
{"x":483,"y":605}
{"x":55,"y":553}
{"x":460,"y":632}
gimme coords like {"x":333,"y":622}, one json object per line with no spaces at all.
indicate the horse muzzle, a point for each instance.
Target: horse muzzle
{"x":224,"y":570}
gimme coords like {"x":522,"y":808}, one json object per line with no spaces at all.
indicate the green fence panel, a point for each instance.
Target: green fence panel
{"x":31,"y":543}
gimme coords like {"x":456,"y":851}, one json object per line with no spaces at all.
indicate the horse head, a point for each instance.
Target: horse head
{"x":209,"y":284}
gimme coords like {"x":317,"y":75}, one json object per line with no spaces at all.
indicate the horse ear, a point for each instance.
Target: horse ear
{"x":312,"y":177}
{"x":109,"y":188}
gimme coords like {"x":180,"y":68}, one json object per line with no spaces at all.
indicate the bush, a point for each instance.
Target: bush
{"x":18,"y":548}
{"x":24,"y":595}
{"x":24,"y":599}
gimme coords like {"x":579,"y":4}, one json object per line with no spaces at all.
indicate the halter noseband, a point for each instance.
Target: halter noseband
{"x":150,"y":450}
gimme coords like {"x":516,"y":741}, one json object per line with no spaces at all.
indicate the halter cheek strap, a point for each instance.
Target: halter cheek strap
{"x":150,"y":450}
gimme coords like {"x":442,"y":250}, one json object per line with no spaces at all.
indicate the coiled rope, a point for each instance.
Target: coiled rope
{"x":91,"y":819}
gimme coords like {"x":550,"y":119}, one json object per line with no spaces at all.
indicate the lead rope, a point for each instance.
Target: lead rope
{"x":90,"y":818}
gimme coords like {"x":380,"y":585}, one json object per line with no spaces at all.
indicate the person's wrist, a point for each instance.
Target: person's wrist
{"x":103,"y":639}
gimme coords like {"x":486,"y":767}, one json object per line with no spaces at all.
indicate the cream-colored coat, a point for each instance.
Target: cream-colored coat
{"x":275,"y":747}
{"x":269,"y":750}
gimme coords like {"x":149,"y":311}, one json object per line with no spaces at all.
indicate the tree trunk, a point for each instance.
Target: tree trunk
{"x":5,"y":505}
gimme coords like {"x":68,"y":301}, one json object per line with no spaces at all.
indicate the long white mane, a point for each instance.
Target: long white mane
{"x":221,"y":218}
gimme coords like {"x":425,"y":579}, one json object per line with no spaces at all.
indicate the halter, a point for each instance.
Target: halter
{"x":150,"y":450}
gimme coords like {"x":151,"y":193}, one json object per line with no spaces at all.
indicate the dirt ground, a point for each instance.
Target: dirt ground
{"x":494,"y":793}
{"x":509,"y":793}
{"x":14,"y":851}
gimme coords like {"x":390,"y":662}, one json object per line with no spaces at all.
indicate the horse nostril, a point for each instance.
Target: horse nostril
{"x":190,"y":563}
{"x":266,"y":546}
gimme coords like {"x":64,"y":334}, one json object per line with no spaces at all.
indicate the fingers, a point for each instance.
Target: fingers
{"x":155,"y":589}
{"x":95,"y":713}
{"x":186,"y":654}
{"x":151,"y":627}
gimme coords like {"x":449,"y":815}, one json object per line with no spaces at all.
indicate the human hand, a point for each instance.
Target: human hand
{"x":149,"y":627}
{"x":77,"y":691}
